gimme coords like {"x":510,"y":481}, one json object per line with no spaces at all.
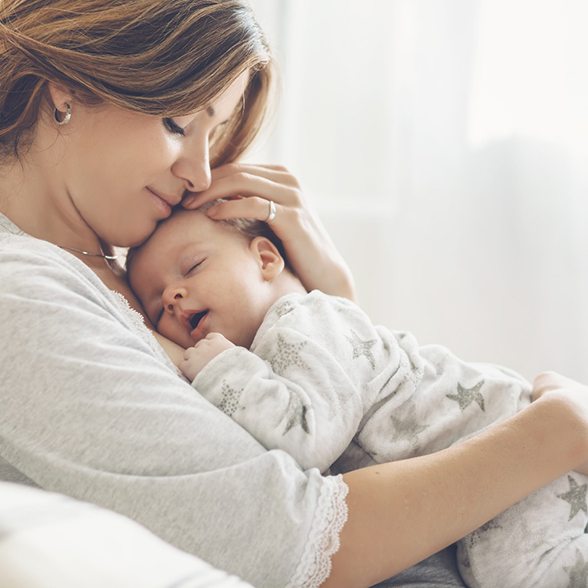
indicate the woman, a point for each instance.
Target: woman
{"x":112,"y":112}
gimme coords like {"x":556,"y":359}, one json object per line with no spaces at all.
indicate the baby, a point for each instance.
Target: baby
{"x":310,"y":374}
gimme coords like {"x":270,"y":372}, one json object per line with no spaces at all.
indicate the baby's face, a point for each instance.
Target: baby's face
{"x":195,"y":276}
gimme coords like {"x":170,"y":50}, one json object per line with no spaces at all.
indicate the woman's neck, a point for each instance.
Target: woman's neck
{"x":29,"y":200}
{"x":32,"y":197}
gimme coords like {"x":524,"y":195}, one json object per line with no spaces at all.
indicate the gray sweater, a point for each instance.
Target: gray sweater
{"x":92,"y":407}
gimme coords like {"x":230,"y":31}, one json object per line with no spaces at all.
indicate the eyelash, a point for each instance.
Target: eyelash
{"x":194,"y":267}
{"x":173,"y":127}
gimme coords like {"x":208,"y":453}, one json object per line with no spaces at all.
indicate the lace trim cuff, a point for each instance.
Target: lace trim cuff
{"x":315,"y":565}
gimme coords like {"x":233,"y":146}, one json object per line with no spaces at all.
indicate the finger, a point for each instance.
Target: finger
{"x":245,"y":184}
{"x":214,"y":335}
{"x":543,"y":381}
{"x":547,"y":381}
{"x":277,"y":173}
{"x":252,"y":208}
{"x":546,"y":378}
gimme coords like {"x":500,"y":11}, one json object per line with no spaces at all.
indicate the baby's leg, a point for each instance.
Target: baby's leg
{"x":540,"y":542}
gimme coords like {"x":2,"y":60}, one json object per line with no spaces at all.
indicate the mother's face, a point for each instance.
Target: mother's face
{"x":122,"y":171}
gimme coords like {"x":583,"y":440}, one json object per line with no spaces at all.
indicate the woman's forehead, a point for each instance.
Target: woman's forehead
{"x":228,"y":100}
{"x":222,"y":107}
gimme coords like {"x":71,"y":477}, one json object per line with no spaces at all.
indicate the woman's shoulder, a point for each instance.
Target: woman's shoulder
{"x":33,"y":270}
{"x":29,"y":262}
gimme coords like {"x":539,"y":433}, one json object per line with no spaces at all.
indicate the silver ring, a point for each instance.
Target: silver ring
{"x":271,"y":214}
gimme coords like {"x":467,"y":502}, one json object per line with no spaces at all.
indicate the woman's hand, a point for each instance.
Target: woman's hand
{"x":577,"y":394}
{"x":310,"y":250}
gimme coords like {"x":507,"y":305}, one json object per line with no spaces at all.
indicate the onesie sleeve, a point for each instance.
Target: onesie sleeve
{"x":303,"y":387}
{"x":90,"y":410}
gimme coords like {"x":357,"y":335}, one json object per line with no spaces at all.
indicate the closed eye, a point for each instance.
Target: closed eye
{"x":171,"y":125}
{"x":195,"y":266}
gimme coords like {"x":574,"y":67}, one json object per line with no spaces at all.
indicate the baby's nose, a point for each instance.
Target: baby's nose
{"x":173,"y":296}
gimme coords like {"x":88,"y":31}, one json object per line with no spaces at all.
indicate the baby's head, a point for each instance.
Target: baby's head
{"x":195,"y":275}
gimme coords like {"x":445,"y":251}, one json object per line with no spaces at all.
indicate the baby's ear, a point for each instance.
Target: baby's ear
{"x":268,"y":257}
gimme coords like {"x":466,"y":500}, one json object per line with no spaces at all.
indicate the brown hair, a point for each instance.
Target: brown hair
{"x":158,"y":57}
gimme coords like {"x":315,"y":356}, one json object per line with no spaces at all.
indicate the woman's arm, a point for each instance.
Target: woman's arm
{"x":399,"y":513}
{"x":90,"y":410}
{"x":310,"y":250}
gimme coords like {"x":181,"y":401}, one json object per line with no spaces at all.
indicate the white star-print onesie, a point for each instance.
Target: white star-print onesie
{"x":324,"y":384}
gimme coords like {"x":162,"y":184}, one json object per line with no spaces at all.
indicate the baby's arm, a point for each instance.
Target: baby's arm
{"x":311,"y":417}
{"x":302,"y":390}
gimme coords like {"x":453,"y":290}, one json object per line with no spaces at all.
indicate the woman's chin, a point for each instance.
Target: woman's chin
{"x":135,"y":239}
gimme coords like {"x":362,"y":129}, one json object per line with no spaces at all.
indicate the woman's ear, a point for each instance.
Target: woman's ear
{"x":60,"y":95}
{"x":271,"y":263}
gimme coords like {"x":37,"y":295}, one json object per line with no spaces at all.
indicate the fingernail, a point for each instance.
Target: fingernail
{"x":212,"y":211}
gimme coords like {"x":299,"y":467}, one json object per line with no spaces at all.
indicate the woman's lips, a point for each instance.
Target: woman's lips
{"x":163,"y":206}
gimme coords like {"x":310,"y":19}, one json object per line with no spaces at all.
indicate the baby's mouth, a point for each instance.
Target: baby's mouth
{"x":196,"y":318}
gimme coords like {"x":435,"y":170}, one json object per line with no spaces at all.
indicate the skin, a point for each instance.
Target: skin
{"x":298,"y":227}
{"x":193,"y":264}
{"x":59,"y":191}
{"x":85,"y":204}
{"x":87,"y":184}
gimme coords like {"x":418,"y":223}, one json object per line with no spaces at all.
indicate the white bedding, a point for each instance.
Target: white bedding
{"x":51,"y":541}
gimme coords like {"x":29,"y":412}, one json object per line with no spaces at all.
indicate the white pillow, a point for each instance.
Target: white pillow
{"x":51,"y":541}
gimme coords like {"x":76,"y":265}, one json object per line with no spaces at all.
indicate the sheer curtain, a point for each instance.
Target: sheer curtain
{"x":445,"y":145}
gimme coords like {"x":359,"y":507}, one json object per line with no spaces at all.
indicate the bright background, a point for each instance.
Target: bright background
{"x":445,"y":145}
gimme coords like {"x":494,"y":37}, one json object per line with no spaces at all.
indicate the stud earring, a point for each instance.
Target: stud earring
{"x":62,"y":118}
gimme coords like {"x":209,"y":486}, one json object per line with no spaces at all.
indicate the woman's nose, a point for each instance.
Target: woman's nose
{"x":193,"y":165}
{"x":172,"y":297}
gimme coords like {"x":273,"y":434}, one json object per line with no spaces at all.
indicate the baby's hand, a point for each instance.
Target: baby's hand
{"x":195,"y":358}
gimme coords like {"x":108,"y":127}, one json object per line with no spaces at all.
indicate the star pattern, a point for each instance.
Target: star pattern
{"x":287,"y":355}
{"x":296,"y":414}
{"x":473,"y":538}
{"x":408,"y":424}
{"x":465,"y":396}
{"x":576,"y":497}
{"x":361,"y":347}
{"x":283,"y":308}
{"x":230,"y":400}
{"x":578,"y":573}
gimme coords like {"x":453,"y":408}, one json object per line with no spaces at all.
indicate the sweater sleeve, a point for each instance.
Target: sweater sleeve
{"x":89,"y":409}
{"x":305,"y":388}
